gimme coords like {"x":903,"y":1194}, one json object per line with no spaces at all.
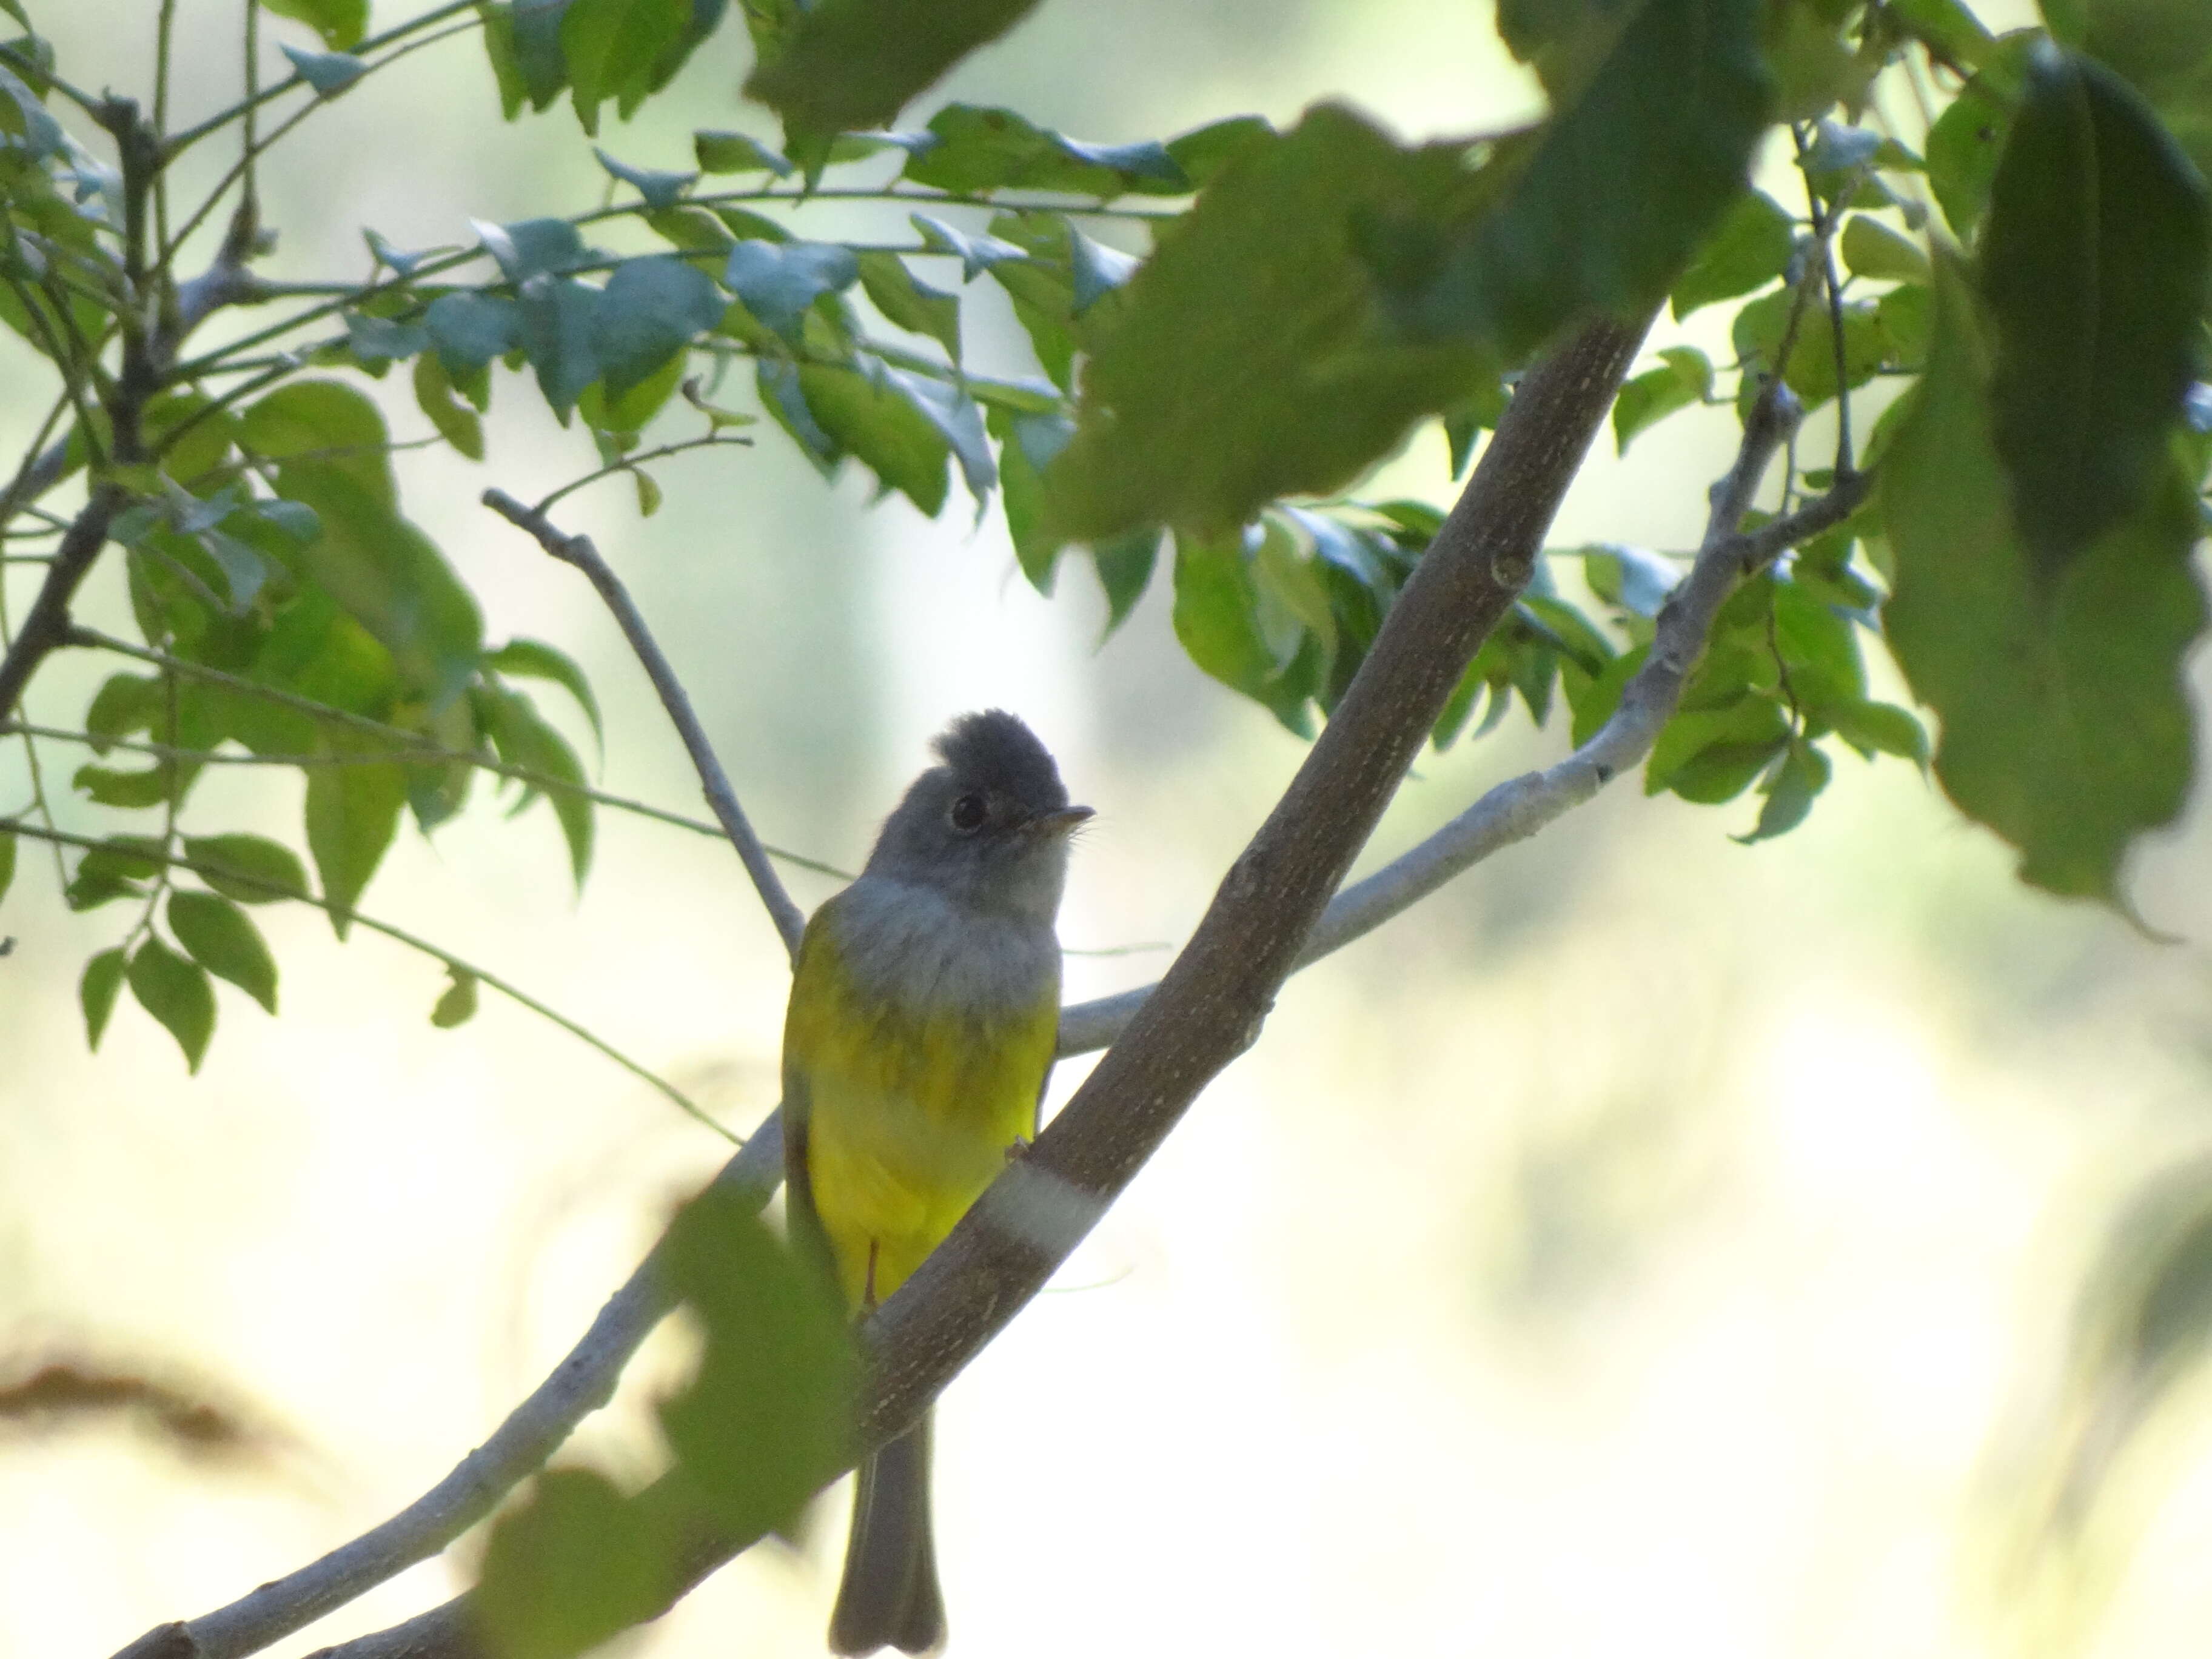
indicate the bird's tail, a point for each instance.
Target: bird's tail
{"x":889,"y":1597}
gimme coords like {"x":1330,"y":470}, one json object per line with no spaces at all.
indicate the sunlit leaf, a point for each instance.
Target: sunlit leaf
{"x":177,"y":993}
{"x":223,"y":939}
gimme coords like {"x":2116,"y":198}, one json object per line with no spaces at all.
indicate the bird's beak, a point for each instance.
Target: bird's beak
{"x":1060,"y":823}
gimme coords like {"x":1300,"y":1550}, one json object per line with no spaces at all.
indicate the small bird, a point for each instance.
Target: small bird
{"x":921,"y":1027}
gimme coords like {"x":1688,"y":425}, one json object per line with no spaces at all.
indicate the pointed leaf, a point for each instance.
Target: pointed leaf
{"x":352,"y":813}
{"x":223,"y":939}
{"x":103,"y":978}
{"x":177,"y":993}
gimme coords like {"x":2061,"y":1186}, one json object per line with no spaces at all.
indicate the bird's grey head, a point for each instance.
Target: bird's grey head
{"x":988,"y":827}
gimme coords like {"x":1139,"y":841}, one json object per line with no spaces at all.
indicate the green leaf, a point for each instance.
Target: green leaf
{"x":1125,"y":564}
{"x":614,"y":47}
{"x":103,"y":978}
{"x":978,"y":149}
{"x":874,"y":419}
{"x":177,"y":993}
{"x":524,"y":739}
{"x":659,"y":190}
{"x":1790,"y":790}
{"x":844,"y":65}
{"x":560,"y":331}
{"x":329,"y":73}
{"x":2065,"y":725}
{"x":574,"y":1565}
{"x":125,"y":703}
{"x":108,"y":788}
{"x":1964,"y":144}
{"x":1711,"y":755}
{"x":342,"y":23}
{"x":2095,"y":264}
{"x":1613,"y":198}
{"x":1749,"y":248}
{"x":1951,"y":33}
{"x":389,"y":576}
{"x":1879,"y":727}
{"x":1027,"y":445}
{"x":223,"y":939}
{"x":472,"y":330}
{"x":2164,"y":47}
{"x":534,"y":659}
{"x":1686,"y":379}
{"x":1871,"y":248}
{"x":1239,"y":368}
{"x":768,"y":1418}
{"x":352,"y":812}
{"x":650,"y":310}
{"x":331,"y":424}
{"x":456,"y":422}
{"x":1811,"y":371}
{"x":1564,"y":41}
{"x":737,"y":152}
{"x":534,"y":247}
{"x":1221,"y":619}
{"x":1204,"y":151}
{"x":909,"y":303}
{"x":457,"y":1003}
{"x":248,"y":868}
{"x":779,"y":283}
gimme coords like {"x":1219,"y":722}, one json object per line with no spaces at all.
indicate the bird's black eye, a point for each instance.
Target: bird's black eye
{"x":968,"y":814}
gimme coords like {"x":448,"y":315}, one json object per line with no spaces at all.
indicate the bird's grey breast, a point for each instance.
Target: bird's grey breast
{"x":910,"y":945}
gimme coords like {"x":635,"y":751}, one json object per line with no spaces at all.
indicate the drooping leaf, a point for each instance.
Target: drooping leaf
{"x":614,"y":48}
{"x":1027,"y":445}
{"x":1125,"y":564}
{"x":457,"y":423}
{"x":560,"y":333}
{"x":659,"y":190}
{"x":2065,"y":728}
{"x":1611,"y":198}
{"x":1790,"y":790}
{"x":532,"y":247}
{"x":470,"y":329}
{"x":524,"y":739}
{"x":2095,"y":265}
{"x":1968,"y":138}
{"x":779,"y":282}
{"x":650,"y":310}
{"x":737,"y":152}
{"x":872,"y":417}
{"x":352,"y":813}
{"x":328,"y":423}
{"x":908,"y":302}
{"x":535,"y":660}
{"x":177,"y":993}
{"x":1650,"y":397}
{"x":96,"y":992}
{"x":457,"y":1003}
{"x":222,"y":938}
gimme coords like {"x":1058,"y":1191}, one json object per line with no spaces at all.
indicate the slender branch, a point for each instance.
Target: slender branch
{"x":631,"y":464}
{"x":164,"y":29}
{"x":433,"y":755}
{"x":413,"y":941}
{"x":790,"y":922}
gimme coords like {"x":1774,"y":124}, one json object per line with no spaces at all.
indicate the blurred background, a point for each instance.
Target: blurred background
{"x":1650,"y":1244}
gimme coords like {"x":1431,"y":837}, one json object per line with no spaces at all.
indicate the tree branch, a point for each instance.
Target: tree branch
{"x":1212,"y":1003}
{"x":790,"y":922}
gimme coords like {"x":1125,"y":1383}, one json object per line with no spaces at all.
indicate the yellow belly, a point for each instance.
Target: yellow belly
{"x":909,"y":1114}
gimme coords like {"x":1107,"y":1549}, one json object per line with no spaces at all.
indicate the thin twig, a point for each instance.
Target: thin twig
{"x":413,"y":941}
{"x":430,"y":755}
{"x":578,"y":551}
{"x":632,"y":463}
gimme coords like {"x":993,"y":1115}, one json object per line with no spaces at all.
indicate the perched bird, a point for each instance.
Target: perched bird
{"x":923,"y":1012}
